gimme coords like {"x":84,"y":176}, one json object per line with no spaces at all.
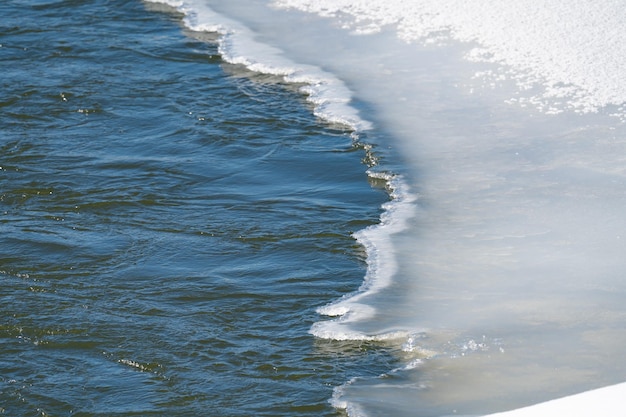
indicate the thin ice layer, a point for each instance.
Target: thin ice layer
{"x":515,"y":261}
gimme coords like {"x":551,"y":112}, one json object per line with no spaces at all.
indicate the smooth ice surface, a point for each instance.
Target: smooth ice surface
{"x":505,"y":287}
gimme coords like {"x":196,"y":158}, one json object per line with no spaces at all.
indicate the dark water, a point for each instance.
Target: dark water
{"x":167,"y":227}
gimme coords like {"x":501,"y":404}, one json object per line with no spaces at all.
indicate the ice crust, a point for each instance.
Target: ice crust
{"x":573,"y":47}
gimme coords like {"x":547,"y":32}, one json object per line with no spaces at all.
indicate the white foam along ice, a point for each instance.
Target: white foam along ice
{"x":237,"y":45}
{"x":575,"y":48}
{"x":381,"y":267}
{"x":337,"y":401}
{"x":332,"y":103}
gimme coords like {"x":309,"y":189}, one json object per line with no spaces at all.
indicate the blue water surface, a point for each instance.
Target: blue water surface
{"x":168,"y":224}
